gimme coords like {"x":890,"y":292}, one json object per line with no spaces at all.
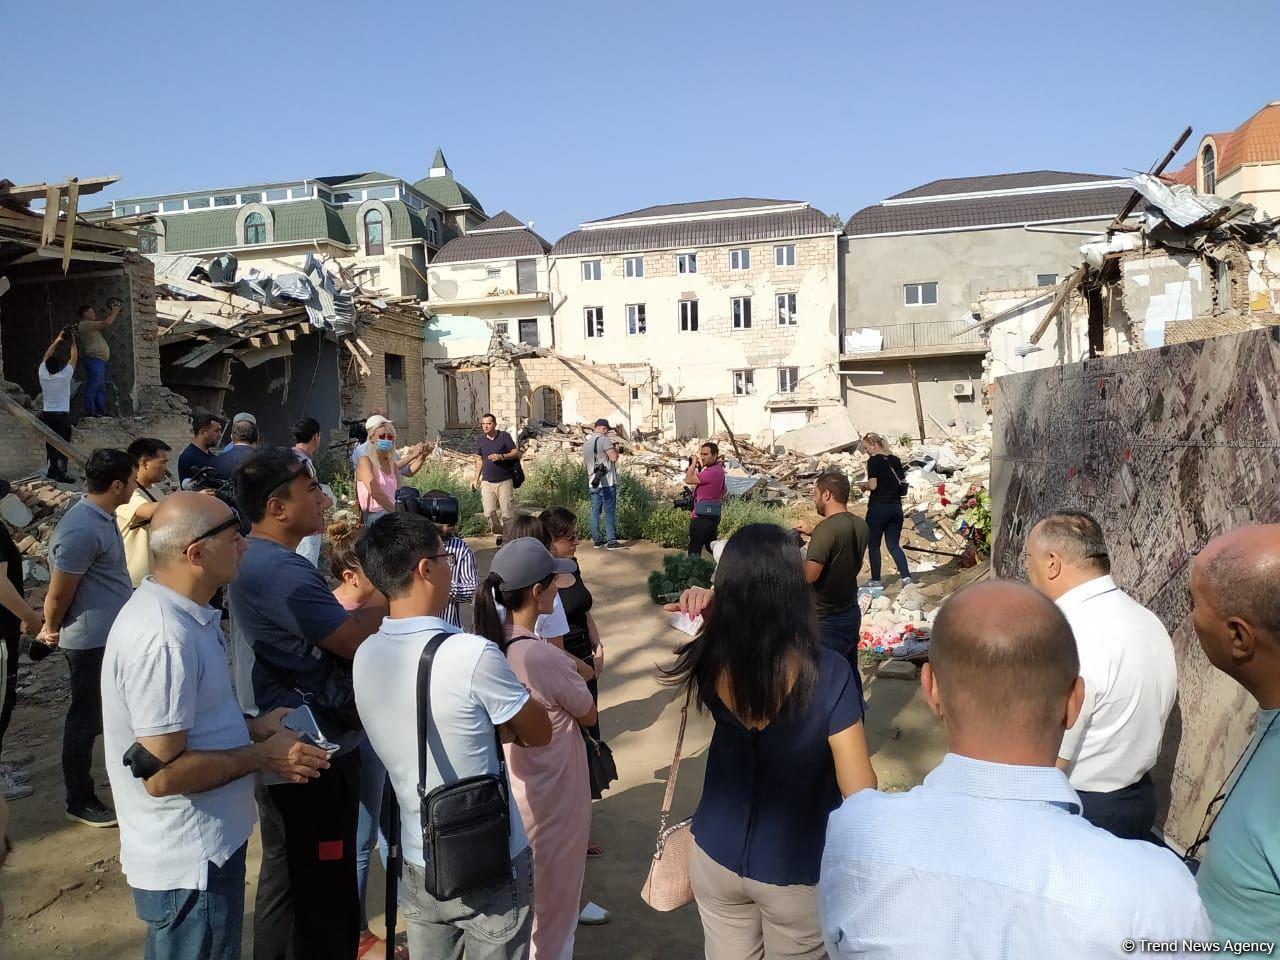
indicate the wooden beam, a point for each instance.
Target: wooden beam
{"x":915,"y":393}
{"x":50,"y":228}
{"x":364,"y":346}
{"x":364,"y":367}
{"x":219,"y":296}
{"x":41,"y":254}
{"x":1155,"y":171}
{"x":291,"y":333}
{"x":13,"y":407}
{"x":30,"y":223}
{"x":34,"y":191}
{"x":274,"y":338}
{"x":255,"y":342}
{"x":73,"y":204}
{"x":1059,"y":301}
{"x":197,"y":306}
{"x":732,"y":439}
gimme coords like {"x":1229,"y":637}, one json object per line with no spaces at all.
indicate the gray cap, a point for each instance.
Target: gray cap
{"x":245,"y":417}
{"x":522,"y":563}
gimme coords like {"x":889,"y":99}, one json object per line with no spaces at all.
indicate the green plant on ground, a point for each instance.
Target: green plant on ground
{"x":905,"y":440}
{"x":333,"y":468}
{"x":668,"y":527}
{"x":975,"y":520}
{"x":679,"y":572}
{"x":436,"y":477}
{"x":562,"y":482}
{"x":738,"y":513}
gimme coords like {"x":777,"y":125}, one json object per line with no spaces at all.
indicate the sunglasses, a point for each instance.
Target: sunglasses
{"x":449,"y":558}
{"x":229,"y":523}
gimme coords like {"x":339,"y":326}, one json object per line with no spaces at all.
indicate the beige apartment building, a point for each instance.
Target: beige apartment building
{"x":731,"y":305}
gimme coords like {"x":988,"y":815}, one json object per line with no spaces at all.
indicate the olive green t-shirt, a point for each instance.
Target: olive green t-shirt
{"x":838,"y":543}
{"x":92,"y":342}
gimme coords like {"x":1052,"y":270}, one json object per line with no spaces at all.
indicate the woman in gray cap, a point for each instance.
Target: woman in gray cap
{"x":550,"y":784}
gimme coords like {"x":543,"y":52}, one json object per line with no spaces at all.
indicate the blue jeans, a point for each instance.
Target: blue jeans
{"x":95,"y":385}
{"x":884,"y":517}
{"x":839,"y":632}
{"x":196,"y":924}
{"x":606,"y":498}
{"x":373,"y":777}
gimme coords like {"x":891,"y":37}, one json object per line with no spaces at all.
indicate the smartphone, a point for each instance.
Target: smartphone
{"x":303,"y":722}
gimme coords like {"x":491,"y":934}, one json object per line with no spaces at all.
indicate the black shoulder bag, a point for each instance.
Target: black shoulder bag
{"x":466,"y":825}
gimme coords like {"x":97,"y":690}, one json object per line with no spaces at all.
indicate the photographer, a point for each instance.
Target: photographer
{"x":179,"y":752}
{"x":96,"y":353}
{"x":206,"y":430}
{"x":601,"y":457}
{"x":134,"y":518}
{"x":55,"y":373}
{"x":462,"y":587}
{"x":293,"y":643}
{"x":705,"y":475}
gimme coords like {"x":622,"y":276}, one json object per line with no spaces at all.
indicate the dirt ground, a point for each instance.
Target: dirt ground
{"x":64,"y":893}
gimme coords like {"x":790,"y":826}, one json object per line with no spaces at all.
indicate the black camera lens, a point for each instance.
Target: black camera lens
{"x":37,"y":651}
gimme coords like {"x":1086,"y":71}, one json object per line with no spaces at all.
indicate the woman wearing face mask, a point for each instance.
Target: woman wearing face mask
{"x":549,"y":784}
{"x":378,"y":472}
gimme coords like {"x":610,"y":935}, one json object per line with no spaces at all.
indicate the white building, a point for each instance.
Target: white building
{"x":732,"y":302}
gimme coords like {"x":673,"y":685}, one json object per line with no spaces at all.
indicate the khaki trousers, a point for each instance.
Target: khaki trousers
{"x":745,"y":919}
{"x":499,"y":503}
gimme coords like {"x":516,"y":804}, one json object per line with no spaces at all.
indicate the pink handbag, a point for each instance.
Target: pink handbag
{"x":667,"y":886}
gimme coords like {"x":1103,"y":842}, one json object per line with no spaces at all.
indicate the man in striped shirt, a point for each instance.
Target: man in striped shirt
{"x":464,"y":568}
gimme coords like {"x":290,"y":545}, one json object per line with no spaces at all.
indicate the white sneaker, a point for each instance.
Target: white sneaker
{"x":593,"y":915}
{"x":14,"y":773}
{"x":10,"y":789}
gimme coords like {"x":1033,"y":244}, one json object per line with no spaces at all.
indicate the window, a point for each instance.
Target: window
{"x":635,"y":320}
{"x":341,"y":198}
{"x":148,"y":242}
{"x":1046,"y":279}
{"x":324,"y":195}
{"x":529,"y":332}
{"x":301,"y":193}
{"x":784,"y":255}
{"x":278,"y":194}
{"x":197,"y":203}
{"x":373,"y":233}
{"x":255,"y":228}
{"x":786,"y":309}
{"x":173,"y":206}
{"x":595,"y":321}
{"x":788,"y":377}
{"x":634,"y":266}
{"x":686,"y":263}
{"x":744,"y":382}
{"x":920,"y":294}
{"x":526,"y":276}
{"x":635,"y":394}
{"x":740,"y":259}
{"x":492,"y":273}
{"x":397,"y":393}
{"x":688,"y":316}
{"x":411,"y":200}
{"x":1208,"y":171}
{"x":250,"y":198}
{"x":433,"y":232}
{"x":590,"y":269}
{"x":741,"y":313}
{"x":501,"y":328}
{"x":380,"y":193}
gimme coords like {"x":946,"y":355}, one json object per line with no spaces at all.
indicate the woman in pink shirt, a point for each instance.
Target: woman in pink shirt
{"x":549,"y":784}
{"x":378,"y":472}
{"x":706,"y":476}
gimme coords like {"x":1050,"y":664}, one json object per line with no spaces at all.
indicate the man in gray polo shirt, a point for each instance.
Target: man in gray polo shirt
{"x":89,"y":583}
{"x":180,"y":754}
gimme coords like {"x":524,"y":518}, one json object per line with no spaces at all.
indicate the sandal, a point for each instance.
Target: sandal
{"x":595,"y":850}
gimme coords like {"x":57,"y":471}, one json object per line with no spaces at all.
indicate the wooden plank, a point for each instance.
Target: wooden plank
{"x":1059,"y":301}
{"x":273,"y":337}
{"x":915,"y":393}
{"x":364,"y":346}
{"x":49,"y":230}
{"x":99,"y":236}
{"x":1155,"y":171}
{"x":364,"y":367}
{"x":199,"y":355}
{"x":13,"y":407}
{"x":199,"y":306}
{"x":732,"y":439}
{"x":41,"y":254}
{"x":218,"y":296}
{"x":291,"y":333}
{"x":34,"y":191}
{"x":73,"y":204}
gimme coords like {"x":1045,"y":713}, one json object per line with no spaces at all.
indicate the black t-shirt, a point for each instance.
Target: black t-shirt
{"x":192,"y":459}
{"x":577,"y":604}
{"x":502,"y":470}
{"x":228,"y":461}
{"x":9,"y":554}
{"x":886,"y":470}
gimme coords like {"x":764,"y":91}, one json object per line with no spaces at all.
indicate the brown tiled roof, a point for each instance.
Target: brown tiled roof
{"x":698,"y":206}
{"x":1257,"y":140}
{"x":806,"y":222}
{"x":999,"y":181}
{"x":502,"y":220}
{"x":1096,"y":204}
{"x":501,"y":237}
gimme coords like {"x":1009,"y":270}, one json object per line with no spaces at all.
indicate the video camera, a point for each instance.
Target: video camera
{"x":441,"y":510}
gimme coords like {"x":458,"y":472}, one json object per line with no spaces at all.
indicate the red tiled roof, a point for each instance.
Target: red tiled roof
{"x":1257,"y":140}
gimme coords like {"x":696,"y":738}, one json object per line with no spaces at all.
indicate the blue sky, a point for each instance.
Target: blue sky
{"x":568,"y":111}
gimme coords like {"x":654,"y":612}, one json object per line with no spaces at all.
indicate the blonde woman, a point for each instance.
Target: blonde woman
{"x":378,"y":472}
{"x":886,"y":485}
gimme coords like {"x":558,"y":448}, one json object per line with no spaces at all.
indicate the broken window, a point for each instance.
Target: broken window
{"x":595,"y":321}
{"x":686,"y":263}
{"x":250,"y":198}
{"x":148,"y":241}
{"x":786,"y":309}
{"x":255,"y":229}
{"x":501,"y":328}
{"x":741,"y":313}
{"x":373,"y":233}
{"x":740,"y":259}
{"x":529,"y":332}
{"x":634,"y":266}
{"x":1046,"y":279}
{"x":688,"y":316}
{"x":788,"y":377}
{"x":744,"y":382}
{"x":590,"y":269}
{"x":920,"y":294}
{"x":397,"y":396}
{"x":784,"y":255}
{"x":492,"y":273}
{"x":635,"y":320}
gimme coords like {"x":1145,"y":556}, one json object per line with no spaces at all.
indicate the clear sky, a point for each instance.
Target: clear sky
{"x":566,"y":110}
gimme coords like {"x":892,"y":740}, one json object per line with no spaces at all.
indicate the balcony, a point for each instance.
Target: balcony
{"x":925,"y":338}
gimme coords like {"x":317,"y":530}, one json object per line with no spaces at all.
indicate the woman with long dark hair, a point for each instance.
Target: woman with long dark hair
{"x":788,"y":743}
{"x":885,"y":482}
{"x":549,"y":784}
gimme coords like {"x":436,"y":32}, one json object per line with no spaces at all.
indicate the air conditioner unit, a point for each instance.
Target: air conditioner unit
{"x":962,"y":390}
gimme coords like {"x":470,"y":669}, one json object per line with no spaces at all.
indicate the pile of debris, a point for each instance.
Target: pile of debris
{"x":32,"y":511}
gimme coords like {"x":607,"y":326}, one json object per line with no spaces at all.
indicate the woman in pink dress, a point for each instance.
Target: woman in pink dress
{"x":550,"y":783}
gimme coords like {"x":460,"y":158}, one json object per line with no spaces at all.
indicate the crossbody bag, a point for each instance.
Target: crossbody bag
{"x":668,"y":886}
{"x":466,"y":825}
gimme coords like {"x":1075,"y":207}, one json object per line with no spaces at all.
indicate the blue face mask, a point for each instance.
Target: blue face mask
{"x":384,"y":445}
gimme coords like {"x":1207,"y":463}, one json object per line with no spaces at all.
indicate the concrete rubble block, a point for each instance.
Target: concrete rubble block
{"x":896,"y":670}
{"x":15,"y":512}
{"x":834,"y":433}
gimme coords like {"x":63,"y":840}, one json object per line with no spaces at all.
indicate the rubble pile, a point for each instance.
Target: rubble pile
{"x":32,"y":510}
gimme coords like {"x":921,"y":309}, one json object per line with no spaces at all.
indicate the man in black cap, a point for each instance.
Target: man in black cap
{"x":601,"y":457}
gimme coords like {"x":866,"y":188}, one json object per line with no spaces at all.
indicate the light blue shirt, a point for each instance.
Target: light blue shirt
{"x":87,"y":543}
{"x":993,"y":861}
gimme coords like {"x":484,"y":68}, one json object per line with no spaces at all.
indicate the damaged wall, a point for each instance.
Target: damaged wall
{"x":882,"y":399}
{"x":284,"y":389}
{"x":389,"y":384}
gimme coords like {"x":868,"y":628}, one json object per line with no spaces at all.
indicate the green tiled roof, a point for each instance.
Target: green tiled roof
{"x":447,"y":192}
{"x":200,"y":231}
{"x":354,"y":179}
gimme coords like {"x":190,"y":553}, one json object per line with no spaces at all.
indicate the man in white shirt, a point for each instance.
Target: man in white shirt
{"x":179,"y":753}
{"x":989,"y":859}
{"x":473,"y":690}
{"x":1130,"y":678}
{"x":55,"y":373}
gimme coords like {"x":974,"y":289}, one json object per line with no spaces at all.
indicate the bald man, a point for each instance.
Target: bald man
{"x":180,"y":754}
{"x":989,"y":857}
{"x":1235,"y":604}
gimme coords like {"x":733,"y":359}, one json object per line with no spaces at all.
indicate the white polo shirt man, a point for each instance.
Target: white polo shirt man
{"x":165,"y":670}
{"x":1130,"y":682}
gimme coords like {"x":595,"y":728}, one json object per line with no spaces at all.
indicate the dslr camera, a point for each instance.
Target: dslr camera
{"x":440,"y":510}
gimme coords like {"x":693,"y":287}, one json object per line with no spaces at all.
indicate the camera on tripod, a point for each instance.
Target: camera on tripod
{"x":439,"y":510}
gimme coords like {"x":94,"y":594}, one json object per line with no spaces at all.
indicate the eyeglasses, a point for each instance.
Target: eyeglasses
{"x":231,"y":521}
{"x":571,"y":537}
{"x":447,"y":557}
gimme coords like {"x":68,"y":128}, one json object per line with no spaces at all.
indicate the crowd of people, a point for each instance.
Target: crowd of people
{"x":1032,"y":838}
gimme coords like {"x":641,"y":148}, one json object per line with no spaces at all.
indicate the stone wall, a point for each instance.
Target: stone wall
{"x":364,"y":394}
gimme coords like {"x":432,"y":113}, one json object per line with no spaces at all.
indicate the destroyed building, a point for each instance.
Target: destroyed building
{"x":1241,"y":164}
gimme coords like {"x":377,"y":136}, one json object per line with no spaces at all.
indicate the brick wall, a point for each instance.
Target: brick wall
{"x":362,"y":395}
{"x":142,"y":338}
{"x":587,"y":392}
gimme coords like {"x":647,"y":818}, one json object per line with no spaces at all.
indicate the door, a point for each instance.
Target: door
{"x":693,"y":419}
{"x":529,"y":332}
{"x":397,"y":397}
{"x":526,"y":276}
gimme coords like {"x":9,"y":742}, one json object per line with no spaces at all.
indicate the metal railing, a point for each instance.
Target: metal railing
{"x":923,"y":334}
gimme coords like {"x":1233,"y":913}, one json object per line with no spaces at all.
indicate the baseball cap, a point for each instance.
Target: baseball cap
{"x":249,"y":417}
{"x":522,"y":563}
{"x":376,"y":421}
{"x":602,"y":422}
